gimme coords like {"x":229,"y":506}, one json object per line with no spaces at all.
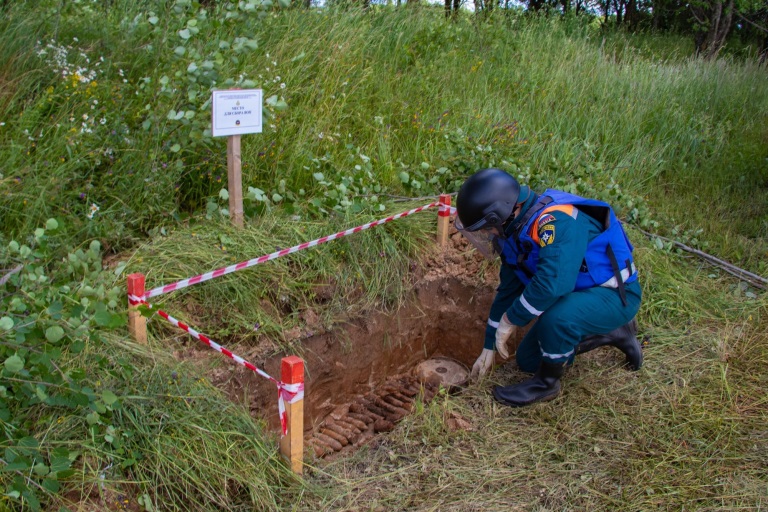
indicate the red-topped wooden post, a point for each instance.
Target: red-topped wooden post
{"x":292,"y":444}
{"x":137,"y":324}
{"x":443,"y":219}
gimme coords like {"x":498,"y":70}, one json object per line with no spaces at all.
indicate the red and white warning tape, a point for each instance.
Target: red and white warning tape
{"x":290,"y":393}
{"x":283,"y":252}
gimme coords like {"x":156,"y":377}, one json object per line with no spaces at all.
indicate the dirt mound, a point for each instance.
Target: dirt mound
{"x":459,"y":260}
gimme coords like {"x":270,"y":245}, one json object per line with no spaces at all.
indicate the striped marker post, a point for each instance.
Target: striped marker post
{"x":443,"y":219}
{"x":137,"y":324}
{"x":292,"y":444}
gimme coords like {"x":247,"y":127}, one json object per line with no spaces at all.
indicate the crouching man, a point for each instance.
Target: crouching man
{"x":567,"y":262}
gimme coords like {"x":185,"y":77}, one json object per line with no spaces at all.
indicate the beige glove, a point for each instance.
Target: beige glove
{"x":503,"y":334}
{"x":482,"y":365}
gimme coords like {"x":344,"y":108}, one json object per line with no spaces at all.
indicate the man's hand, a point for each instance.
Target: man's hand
{"x":503,"y":333}
{"x":482,"y":365}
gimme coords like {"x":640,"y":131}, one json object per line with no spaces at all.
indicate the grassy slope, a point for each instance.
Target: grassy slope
{"x":556,"y":102}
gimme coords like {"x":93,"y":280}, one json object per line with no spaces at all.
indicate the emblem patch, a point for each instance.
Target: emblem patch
{"x":547,"y":235}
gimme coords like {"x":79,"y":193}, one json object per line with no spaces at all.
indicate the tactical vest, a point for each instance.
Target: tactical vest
{"x":608,"y":261}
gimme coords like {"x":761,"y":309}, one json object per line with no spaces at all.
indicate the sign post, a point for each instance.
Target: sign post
{"x":235,"y":112}
{"x":235,"y":180}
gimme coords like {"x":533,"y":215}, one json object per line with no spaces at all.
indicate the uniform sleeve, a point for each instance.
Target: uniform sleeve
{"x":563,"y":243}
{"x":509,"y":289}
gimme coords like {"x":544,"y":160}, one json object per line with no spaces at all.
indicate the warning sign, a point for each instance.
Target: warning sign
{"x":236,"y":112}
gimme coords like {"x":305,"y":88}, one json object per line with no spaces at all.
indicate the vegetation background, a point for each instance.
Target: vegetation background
{"x":108,"y":167}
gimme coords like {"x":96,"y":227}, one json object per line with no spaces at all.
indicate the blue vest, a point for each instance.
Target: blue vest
{"x":608,"y":255}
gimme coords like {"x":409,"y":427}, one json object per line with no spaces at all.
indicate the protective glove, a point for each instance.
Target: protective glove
{"x":482,"y":365}
{"x":503,"y":334}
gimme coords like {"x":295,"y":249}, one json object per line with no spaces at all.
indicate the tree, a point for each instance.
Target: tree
{"x":752,"y":23}
{"x":714,"y":19}
{"x":452,"y":8}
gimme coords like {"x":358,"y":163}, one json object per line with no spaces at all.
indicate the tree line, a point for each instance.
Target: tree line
{"x":709,"y":22}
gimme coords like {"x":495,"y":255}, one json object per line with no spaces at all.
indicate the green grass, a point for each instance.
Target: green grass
{"x":395,"y":102}
{"x":390,"y":86}
{"x":177,"y":439}
{"x":338,"y":279}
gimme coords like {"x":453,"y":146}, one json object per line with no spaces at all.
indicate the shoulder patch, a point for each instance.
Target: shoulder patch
{"x":546,"y":235}
{"x":547,"y":217}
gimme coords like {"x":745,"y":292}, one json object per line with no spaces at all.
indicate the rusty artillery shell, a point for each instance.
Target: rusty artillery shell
{"x":367,"y":436}
{"x":383,"y":426}
{"x":403,"y":398}
{"x":357,"y":423}
{"x":345,"y":423}
{"x":374,"y":408}
{"x":390,"y":388}
{"x":321,"y":449}
{"x":335,"y":435}
{"x":393,"y":410}
{"x":364,"y":411}
{"x":346,"y":434}
{"x":393,"y":401}
{"x":329,"y":441}
{"x":365,"y":419}
{"x":410,"y":390}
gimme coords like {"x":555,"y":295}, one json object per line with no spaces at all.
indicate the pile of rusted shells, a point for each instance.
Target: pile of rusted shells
{"x":355,"y":423}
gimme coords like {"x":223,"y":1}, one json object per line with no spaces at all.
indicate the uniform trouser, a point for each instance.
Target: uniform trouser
{"x":560,"y":328}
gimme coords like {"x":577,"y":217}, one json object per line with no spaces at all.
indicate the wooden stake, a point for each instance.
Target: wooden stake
{"x":292,"y":444}
{"x":137,"y":324}
{"x":443,"y":219}
{"x":235,"y":180}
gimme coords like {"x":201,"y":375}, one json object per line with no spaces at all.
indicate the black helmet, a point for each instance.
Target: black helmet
{"x":487,"y":199}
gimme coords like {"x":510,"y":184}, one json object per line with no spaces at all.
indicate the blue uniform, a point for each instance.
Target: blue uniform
{"x":562,"y":269}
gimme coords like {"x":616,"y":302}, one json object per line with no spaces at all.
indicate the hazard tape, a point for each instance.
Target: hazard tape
{"x":286,"y":393}
{"x":283,"y":252}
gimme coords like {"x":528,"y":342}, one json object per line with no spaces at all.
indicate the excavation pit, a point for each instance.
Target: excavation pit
{"x":363,"y":376}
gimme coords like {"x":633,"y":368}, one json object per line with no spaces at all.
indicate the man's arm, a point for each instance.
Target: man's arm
{"x":509,"y":289}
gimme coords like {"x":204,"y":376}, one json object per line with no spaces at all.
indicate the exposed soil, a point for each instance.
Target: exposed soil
{"x":359,"y":376}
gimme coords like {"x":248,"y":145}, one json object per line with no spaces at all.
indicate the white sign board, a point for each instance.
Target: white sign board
{"x":236,"y":111}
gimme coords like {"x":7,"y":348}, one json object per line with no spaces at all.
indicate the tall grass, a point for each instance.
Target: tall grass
{"x":403,"y":87}
{"x":399,"y":102}
{"x":342,"y":278}
{"x":178,"y":442}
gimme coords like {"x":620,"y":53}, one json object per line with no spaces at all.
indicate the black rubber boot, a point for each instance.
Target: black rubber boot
{"x":543,"y":386}
{"x":624,"y":338}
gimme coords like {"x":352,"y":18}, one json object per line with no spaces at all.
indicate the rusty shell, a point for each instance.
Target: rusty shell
{"x":329,"y":441}
{"x":343,"y":441}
